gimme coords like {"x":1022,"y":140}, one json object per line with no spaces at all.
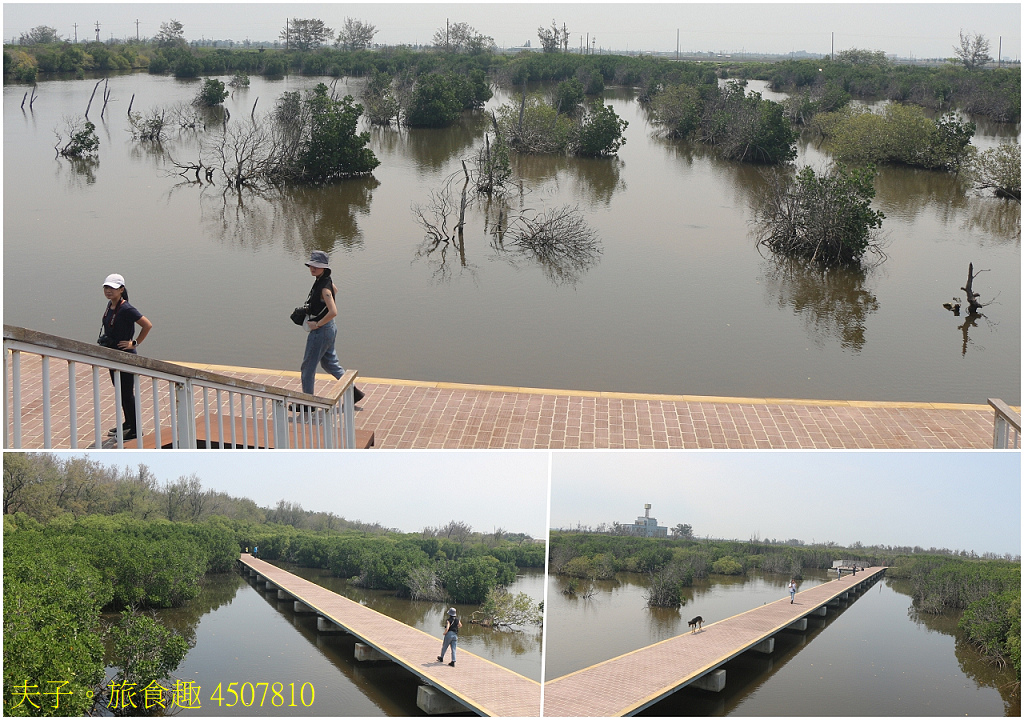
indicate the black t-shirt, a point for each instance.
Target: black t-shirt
{"x":453,"y":624}
{"x":119,"y":323}
{"x":317,"y":308}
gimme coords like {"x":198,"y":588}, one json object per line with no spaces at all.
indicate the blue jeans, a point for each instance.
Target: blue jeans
{"x":450,"y":638}
{"x":320,"y":349}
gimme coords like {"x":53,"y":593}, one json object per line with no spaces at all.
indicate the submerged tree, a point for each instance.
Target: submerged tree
{"x":78,"y":139}
{"x":998,"y":169}
{"x":502,"y":609}
{"x":825,"y":218}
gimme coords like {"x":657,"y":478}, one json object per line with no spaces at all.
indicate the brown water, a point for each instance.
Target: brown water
{"x":678,"y":300}
{"x":242,"y":634}
{"x":876,"y":656}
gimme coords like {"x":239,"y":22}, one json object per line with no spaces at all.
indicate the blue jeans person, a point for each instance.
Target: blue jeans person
{"x":320,"y":349}
{"x":450,"y":638}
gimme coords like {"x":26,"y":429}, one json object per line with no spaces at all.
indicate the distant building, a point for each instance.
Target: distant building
{"x":646,"y":526}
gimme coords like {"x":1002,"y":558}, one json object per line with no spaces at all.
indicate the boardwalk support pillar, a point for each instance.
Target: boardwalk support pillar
{"x":326,"y":627}
{"x":365,"y":653}
{"x":300,"y":607}
{"x":434,"y":702}
{"x":282,"y":595}
{"x":822,"y":611}
{"x":800,"y":625}
{"x":765,"y":647}
{"x":714,"y":681}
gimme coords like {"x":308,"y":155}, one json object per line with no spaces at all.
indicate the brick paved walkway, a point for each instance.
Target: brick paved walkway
{"x":635,"y":680}
{"x":409,"y":414}
{"x":488,"y":688}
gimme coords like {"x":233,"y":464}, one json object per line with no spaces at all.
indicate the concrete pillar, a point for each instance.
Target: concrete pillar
{"x":365,"y":653}
{"x":765,"y":647}
{"x":259,"y":578}
{"x":822,"y":611}
{"x":300,"y":607}
{"x":845,"y":596}
{"x":282,"y":595}
{"x":270,"y":586}
{"x":434,"y":702}
{"x":325,"y":626}
{"x":714,"y":681}
{"x":800,"y":625}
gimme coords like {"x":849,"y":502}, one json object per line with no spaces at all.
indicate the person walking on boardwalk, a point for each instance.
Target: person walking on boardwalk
{"x":451,"y":635}
{"x":319,"y":323}
{"x":117,"y":333}
{"x":792,"y":590}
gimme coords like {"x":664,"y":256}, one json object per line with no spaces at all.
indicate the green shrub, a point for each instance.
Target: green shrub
{"x":600,"y":132}
{"x":727,"y":565}
{"x":434,"y":102}
{"x":211,"y":94}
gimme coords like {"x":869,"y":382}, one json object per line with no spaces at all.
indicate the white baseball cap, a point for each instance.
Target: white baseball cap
{"x":114,"y":280}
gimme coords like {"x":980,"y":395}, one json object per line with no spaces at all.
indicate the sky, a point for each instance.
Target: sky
{"x":909,"y":30}
{"x":958,"y":500}
{"x":405,"y":490}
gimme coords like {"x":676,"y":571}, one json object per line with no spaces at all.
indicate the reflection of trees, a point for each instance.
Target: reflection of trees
{"x":998,"y":219}
{"x":217,"y":590}
{"x":435,"y":148}
{"x":558,"y":239}
{"x":81,"y":171}
{"x":907,"y":192}
{"x":594,"y":179}
{"x":306,"y":218}
{"x":834,"y":304}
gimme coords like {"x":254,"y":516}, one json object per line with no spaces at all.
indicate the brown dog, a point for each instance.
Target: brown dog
{"x":696,"y":624}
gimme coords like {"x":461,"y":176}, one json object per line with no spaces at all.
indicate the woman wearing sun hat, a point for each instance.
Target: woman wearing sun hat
{"x":451,"y":635}
{"x":119,"y":320}
{"x":319,"y":323}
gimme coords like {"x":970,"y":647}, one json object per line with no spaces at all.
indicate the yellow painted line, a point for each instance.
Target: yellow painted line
{"x":607,"y":394}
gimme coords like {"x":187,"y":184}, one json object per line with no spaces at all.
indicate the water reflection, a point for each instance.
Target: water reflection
{"x":78,"y":172}
{"x":834,"y":304}
{"x":593,"y":180}
{"x":301,"y":218}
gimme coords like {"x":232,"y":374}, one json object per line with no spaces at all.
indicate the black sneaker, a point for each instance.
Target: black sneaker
{"x":440,"y":659}
{"x":129,"y":435}
{"x":452,"y":663}
{"x":357,"y":394}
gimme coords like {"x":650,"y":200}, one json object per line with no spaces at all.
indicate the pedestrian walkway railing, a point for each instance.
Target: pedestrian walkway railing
{"x":55,"y":397}
{"x":1006,"y":433}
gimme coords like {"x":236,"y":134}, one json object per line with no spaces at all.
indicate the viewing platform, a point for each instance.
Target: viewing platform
{"x":475,"y":684}
{"x":413,"y":414}
{"x":632,"y":682}
{"x":216,"y":405}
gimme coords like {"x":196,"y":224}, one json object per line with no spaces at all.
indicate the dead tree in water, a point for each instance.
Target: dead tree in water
{"x":973,"y":306}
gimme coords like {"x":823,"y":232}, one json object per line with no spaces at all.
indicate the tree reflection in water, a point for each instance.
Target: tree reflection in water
{"x":302,"y":219}
{"x":834,"y":304}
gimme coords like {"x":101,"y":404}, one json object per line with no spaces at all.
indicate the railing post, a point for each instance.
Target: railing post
{"x":350,"y":417}
{"x":47,"y":439}
{"x":73,"y":404}
{"x":281,"y":439}
{"x":186,"y":414}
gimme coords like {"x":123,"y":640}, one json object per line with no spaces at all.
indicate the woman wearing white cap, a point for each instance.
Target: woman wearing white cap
{"x":119,"y":320}
{"x":320,"y":313}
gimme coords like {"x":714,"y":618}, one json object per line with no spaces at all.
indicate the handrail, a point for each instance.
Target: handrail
{"x":1006,"y":430}
{"x":298,"y":419}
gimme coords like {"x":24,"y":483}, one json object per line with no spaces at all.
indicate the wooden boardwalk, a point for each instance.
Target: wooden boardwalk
{"x":409,"y":414}
{"x":631,"y":682}
{"x":481,"y":685}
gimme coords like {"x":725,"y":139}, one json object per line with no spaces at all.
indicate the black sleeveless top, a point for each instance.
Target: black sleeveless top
{"x":453,"y":624}
{"x":316,"y":307}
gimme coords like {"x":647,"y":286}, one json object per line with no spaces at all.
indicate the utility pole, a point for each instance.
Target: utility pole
{"x":76,"y":33}
{"x":832,"y":55}
{"x":677,"y":44}
{"x":136,"y":30}
{"x":999,"y":58}
{"x":286,"y":33}
{"x":97,"y":31}
{"x":446,"y":34}
{"x":588,"y":43}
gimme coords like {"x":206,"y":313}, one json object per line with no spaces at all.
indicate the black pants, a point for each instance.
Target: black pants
{"x":127,"y":400}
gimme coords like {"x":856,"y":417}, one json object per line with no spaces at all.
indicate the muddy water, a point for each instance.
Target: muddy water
{"x":676,"y":298}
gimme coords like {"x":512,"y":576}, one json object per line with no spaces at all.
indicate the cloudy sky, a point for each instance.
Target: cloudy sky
{"x":959,"y":500}
{"x":407,"y":490}
{"x":911,"y":29}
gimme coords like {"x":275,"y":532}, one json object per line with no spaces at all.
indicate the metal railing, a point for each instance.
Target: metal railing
{"x":1006,"y":432}
{"x":199,"y":406}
